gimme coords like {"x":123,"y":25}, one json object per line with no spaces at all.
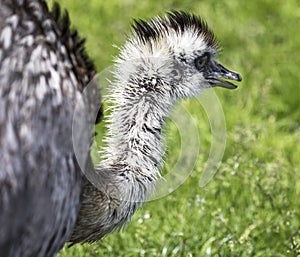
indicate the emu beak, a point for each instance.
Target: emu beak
{"x":217,"y":74}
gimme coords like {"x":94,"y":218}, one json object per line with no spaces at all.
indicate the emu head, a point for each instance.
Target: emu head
{"x":173,"y":56}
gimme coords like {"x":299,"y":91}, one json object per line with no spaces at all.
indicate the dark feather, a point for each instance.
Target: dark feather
{"x":178,"y":21}
{"x":40,"y":181}
{"x":75,"y":44}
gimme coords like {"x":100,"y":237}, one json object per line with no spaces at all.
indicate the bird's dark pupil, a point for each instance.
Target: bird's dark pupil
{"x":201,"y":61}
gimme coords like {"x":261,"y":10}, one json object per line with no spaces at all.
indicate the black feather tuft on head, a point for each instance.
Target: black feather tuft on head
{"x":146,"y":30}
{"x":178,"y":21}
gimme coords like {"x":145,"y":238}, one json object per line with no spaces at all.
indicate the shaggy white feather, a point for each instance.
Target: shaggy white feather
{"x":135,"y":108}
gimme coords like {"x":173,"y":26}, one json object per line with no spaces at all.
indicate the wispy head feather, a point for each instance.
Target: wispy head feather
{"x":178,"y":21}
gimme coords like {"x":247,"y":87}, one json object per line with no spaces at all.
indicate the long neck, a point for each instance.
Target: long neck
{"x":130,"y":166}
{"x":134,"y":132}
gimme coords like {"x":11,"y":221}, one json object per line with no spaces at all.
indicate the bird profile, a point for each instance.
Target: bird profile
{"x":45,"y":200}
{"x":164,"y":60}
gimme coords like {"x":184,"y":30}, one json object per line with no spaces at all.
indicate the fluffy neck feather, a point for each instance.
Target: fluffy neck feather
{"x":135,"y":124}
{"x":133,"y":155}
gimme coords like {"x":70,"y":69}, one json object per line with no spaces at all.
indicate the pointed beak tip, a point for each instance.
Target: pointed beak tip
{"x":234,"y":76}
{"x":219,"y":76}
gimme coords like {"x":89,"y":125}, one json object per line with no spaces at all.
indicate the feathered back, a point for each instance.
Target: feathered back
{"x":43,"y":70}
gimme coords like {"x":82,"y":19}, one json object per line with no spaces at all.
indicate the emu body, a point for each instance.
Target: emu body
{"x":43,"y":70}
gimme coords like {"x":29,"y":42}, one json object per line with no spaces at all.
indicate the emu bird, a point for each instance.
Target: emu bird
{"x":44,"y":199}
{"x":164,"y":60}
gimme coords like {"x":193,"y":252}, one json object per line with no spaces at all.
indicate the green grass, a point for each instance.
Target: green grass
{"x":252,"y":205}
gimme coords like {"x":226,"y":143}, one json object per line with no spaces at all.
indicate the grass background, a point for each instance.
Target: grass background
{"x":252,"y":205}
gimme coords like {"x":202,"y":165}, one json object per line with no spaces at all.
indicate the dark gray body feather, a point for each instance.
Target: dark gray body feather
{"x":43,"y":70}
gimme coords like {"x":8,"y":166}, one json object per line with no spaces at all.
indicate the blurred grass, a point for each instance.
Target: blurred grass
{"x":252,"y":206}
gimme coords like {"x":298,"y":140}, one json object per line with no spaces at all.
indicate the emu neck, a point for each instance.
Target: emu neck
{"x":131,"y":160}
{"x":135,"y":138}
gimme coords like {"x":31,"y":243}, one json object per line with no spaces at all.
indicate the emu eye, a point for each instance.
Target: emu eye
{"x":201,"y":61}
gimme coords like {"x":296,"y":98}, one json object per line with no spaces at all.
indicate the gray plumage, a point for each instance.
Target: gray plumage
{"x":44,"y":199}
{"x":43,"y":70}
